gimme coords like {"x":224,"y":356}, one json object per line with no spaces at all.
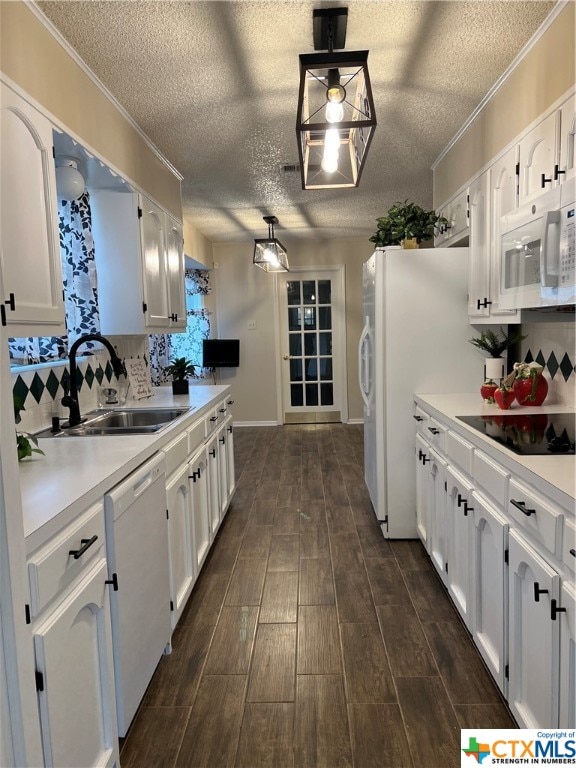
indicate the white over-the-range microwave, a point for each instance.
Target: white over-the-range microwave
{"x":538,"y":251}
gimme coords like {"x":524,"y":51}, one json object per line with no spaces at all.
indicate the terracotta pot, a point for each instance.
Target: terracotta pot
{"x":410,"y":242}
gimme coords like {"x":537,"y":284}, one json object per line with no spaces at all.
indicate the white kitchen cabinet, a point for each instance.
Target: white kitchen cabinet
{"x":538,"y":154}
{"x":422,"y":499}
{"x":533,"y":637}
{"x":213,"y":469}
{"x":566,"y":618}
{"x":201,"y":510}
{"x":73,"y":647}
{"x":437,"y":527}
{"x":479,"y":247}
{"x":230,"y":466}
{"x":33,"y":303}
{"x":140,"y":264}
{"x":223,"y":470}
{"x":456,"y":212}
{"x":180,"y":541}
{"x":566,"y":170}
{"x":489,"y":535}
{"x":459,"y":527}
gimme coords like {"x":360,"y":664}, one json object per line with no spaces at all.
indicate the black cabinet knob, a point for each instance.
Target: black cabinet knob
{"x":538,"y":592}
{"x":545,"y":181}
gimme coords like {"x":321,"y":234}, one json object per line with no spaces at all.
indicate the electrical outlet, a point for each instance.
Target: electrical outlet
{"x":251,"y":325}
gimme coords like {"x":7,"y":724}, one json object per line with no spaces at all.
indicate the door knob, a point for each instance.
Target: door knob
{"x":286,"y":357}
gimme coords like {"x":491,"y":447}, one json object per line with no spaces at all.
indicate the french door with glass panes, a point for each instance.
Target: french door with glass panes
{"x":312,"y":345}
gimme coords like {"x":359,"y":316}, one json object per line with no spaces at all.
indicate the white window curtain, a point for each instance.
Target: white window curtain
{"x":80,"y":288}
{"x":165,"y":347}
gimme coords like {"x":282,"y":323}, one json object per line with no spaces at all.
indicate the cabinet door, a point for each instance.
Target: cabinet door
{"x":490,"y":599}
{"x":74,"y":655}
{"x":458,"y":522}
{"x":153,"y":234}
{"x":567,"y":621}
{"x":180,"y":541}
{"x":199,"y":485}
{"x":437,"y":533}
{"x":213,"y":459}
{"x":538,"y":153}
{"x":29,"y":247}
{"x":175,"y":267}
{"x":223,"y":470}
{"x":422,"y":449}
{"x":503,"y":191}
{"x":533,"y":637}
{"x":567,"y":162}
{"x":230,"y":457}
{"x":479,"y":298}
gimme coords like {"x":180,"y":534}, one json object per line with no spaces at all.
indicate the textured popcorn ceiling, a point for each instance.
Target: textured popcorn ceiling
{"x":215,"y":85}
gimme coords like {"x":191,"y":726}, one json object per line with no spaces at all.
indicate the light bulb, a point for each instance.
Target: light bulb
{"x":329,"y":163}
{"x":332,"y":140}
{"x":270,"y":256}
{"x":334,"y":112}
{"x":69,"y":181}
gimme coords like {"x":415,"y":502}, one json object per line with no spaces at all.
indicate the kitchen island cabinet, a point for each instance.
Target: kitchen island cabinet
{"x":510,"y":572}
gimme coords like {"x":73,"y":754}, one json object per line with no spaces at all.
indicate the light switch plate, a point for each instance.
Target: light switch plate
{"x":251,"y":325}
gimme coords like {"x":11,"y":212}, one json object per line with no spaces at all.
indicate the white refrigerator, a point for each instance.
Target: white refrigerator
{"x":415,"y":339}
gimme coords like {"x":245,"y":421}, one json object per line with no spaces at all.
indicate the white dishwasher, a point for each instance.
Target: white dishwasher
{"x":137,"y":544}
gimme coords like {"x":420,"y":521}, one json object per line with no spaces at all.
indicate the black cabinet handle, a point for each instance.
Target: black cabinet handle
{"x":418,"y":418}
{"x":213,"y":418}
{"x":76,"y":553}
{"x":434,"y":430}
{"x":557,"y":172}
{"x":460,"y":500}
{"x":424,"y":458}
{"x":11,"y":302}
{"x":538,"y":592}
{"x":485,"y":303}
{"x":521,"y":505}
{"x":230,"y":402}
{"x":230,"y":428}
{"x":545,"y":181}
{"x":467,"y":509}
{"x":222,"y":410}
{"x":223,"y":439}
{"x":113,"y":581}
{"x":213,"y":453}
{"x":554,"y":610}
{"x":195,"y":475}
{"x":573,"y":552}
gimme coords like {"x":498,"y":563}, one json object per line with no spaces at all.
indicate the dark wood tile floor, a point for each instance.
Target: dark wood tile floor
{"x":309,"y":641}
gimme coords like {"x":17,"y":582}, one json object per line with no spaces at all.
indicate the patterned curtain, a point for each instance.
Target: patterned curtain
{"x":80,"y":288}
{"x":164,"y":347}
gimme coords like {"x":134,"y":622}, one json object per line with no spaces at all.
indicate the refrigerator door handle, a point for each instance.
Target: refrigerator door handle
{"x":364,"y":364}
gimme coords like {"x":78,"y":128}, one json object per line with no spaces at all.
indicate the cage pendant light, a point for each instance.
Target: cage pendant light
{"x":269,"y":253}
{"x":336,"y":118}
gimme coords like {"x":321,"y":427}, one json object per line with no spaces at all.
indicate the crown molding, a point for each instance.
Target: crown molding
{"x":553,"y":15}
{"x":61,"y":40}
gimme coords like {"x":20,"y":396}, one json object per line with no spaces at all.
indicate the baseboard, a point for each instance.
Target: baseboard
{"x":355,"y":421}
{"x":256,"y":424}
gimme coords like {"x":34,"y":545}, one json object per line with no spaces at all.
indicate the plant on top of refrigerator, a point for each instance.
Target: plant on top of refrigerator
{"x":406,"y":221}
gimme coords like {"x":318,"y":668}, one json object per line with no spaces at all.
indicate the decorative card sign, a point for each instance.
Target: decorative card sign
{"x":138,"y":377}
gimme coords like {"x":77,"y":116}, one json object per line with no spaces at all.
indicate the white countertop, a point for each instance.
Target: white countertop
{"x":554,"y":475}
{"x":75,"y":472}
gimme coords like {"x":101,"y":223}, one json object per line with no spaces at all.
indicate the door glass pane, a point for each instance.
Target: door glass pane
{"x":325,"y":365}
{"x":309,"y":317}
{"x":324,"y":291}
{"x":294,"y":319}
{"x":310,"y":344}
{"x":308,"y":292}
{"x":293,"y":287}
{"x":311,"y":367}
{"x":311,"y":394}
{"x":324,"y":317}
{"x":296,"y":395}
{"x":295,"y":370}
{"x":325,"y":343}
{"x":295,"y":340}
{"x":327,"y":394}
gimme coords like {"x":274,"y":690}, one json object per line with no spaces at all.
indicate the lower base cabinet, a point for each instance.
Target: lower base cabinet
{"x":567,"y":621}
{"x":200,"y":504}
{"x":459,"y":524}
{"x":180,"y":541}
{"x":534,"y":637}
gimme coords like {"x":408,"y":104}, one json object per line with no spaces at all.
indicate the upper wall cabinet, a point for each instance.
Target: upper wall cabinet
{"x":140,"y":263}
{"x":29,"y":244}
{"x":456,"y":212}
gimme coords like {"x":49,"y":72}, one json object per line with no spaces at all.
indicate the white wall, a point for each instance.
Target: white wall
{"x":245,"y":293}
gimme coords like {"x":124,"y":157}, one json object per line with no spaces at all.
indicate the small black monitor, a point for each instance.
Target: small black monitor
{"x":221,"y":353}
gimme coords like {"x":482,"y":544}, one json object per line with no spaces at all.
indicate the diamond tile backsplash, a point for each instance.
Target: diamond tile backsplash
{"x":42,"y":387}
{"x":553,"y":345}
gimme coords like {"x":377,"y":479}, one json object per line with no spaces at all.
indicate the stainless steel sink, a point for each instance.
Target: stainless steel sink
{"x":125,"y":421}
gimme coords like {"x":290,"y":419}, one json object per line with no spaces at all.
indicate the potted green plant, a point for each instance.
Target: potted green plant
{"x":495,"y":343}
{"x":180,"y":368}
{"x":24,"y":441}
{"x":406,"y":222}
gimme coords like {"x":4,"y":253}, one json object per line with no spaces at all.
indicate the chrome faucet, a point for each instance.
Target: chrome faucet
{"x":70,"y":399}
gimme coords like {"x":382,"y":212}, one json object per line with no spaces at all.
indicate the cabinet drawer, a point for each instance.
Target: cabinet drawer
{"x":421,"y":418}
{"x":230,"y":404}
{"x":211,"y":421}
{"x":460,"y":451}
{"x":436,"y":433}
{"x":196,"y":436}
{"x":176,"y":453}
{"x":535,"y":514}
{"x":491,"y":477}
{"x":53,"y":568}
{"x":569,"y":544}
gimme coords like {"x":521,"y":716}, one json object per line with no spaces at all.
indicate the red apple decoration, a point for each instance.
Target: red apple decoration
{"x":487,"y":391}
{"x":504,"y":397}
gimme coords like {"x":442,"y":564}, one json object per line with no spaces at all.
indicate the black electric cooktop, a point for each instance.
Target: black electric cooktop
{"x":536,"y":434}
